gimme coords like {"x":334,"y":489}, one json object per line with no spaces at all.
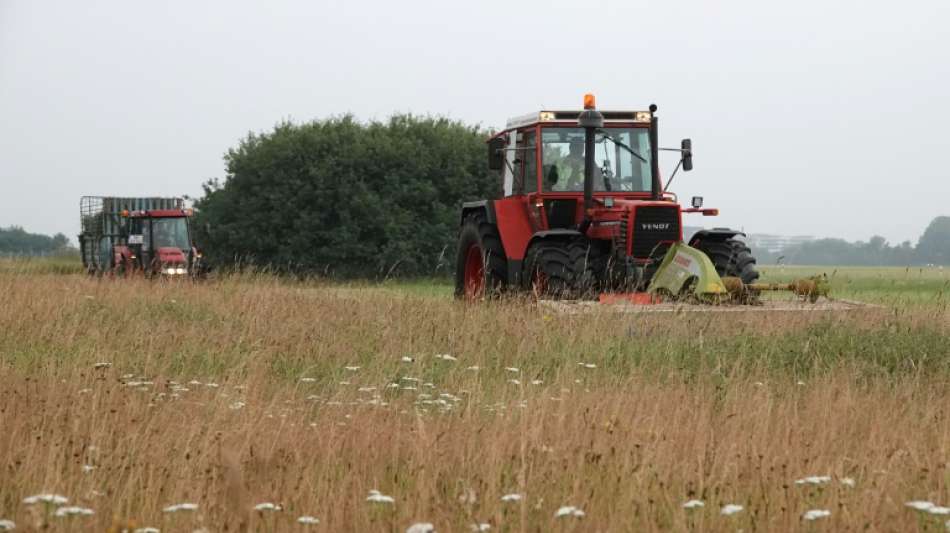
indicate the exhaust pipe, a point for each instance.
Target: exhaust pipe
{"x":591,"y":120}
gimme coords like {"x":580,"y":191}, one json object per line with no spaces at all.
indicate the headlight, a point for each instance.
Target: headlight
{"x":174,"y":271}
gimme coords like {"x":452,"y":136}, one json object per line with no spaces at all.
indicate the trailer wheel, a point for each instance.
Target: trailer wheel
{"x":548,"y":270}
{"x":481,"y":265}
{"x":731,"y":257}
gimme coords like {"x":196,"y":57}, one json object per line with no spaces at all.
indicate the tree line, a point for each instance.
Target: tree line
{"x":932,"y":248}
{"x":17,"y":241}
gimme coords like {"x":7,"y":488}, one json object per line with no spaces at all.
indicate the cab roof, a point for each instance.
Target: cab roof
{"x":571,"y":116}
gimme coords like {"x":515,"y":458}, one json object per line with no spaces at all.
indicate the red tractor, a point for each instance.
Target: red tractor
{"x":146,"y":235}
{"x":584,"y":211}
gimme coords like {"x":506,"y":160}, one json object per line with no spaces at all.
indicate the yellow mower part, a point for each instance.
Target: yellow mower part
{"x":686,"y":271}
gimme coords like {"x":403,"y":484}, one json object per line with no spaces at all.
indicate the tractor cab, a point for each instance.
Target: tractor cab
{"x":583,"y":207}
{"x":159,"y":242}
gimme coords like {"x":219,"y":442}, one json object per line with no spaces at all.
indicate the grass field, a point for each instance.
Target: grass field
{"x":131,"y":396}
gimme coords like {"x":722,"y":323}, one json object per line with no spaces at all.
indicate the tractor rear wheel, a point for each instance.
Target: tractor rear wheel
{"x":481,"y":265}
{"x":731,"y":257}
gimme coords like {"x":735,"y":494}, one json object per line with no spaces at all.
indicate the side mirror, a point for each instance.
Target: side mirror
{"x":697,"y":202}
{"x":496,"y":153}
{"x":687,"y":152}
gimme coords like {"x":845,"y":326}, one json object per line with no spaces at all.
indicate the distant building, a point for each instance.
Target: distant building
{"x":775,"y":243}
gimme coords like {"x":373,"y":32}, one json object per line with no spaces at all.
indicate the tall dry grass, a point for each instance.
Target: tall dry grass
{"x":236,"y":392}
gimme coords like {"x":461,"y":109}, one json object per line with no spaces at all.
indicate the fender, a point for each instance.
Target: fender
{"x":484,"y":206}
{"x":715,"y":234}
{"x":555,"y":233}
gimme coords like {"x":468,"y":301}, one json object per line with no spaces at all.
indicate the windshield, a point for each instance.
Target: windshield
{"x":621,"y":156}
{"x":170,"y":233}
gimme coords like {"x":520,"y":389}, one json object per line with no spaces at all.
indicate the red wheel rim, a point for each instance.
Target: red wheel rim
{"x":474,"y":272}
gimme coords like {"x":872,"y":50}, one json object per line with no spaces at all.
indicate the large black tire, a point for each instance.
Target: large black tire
{"x":565,"y":268}
{"x":589,"y":265}
{"x":731,"y":257}
{"x":481,"y":268}
{"x":547,"y":270}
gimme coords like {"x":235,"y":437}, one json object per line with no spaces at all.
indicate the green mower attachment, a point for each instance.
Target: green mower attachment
{"x":688,"y":274}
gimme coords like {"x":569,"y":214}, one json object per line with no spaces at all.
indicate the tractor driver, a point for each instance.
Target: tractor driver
{"x":572,"y":167}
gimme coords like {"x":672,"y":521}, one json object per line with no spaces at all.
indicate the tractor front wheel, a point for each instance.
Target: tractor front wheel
{"x":548,"y":270}
{"x":481,"y":265}
{"x":731,"y":257}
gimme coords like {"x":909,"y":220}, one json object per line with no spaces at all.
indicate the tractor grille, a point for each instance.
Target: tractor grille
{"x":651,"y":226}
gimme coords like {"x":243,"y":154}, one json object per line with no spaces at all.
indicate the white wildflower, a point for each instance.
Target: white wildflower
{"x":308,"y":380}
{"x":512,"y":497}
{"x":693,"y":504}
{"x":54,"y":499}
{"x":568,"y":510}
{"x":147,"y":530}
{"x":815,"y":514}
{"x":407,"y":378}
{"x":73,"y":511}
{"x":920,"y":505}
{"x":407,"y":359}
{"x":938,"y":510}
{"x":378,"y":497}
{"x":537,"y":382}
{"x":514,"y":381}
{"x":512,"y":369}
{"x":7,"y":525}
{"x":85,"y":391}
{"x":237,"y":405}
{"x":88,"y":468}
{"x":446,"y":357}
{"x":800,"y":383}
{"x":308,"y":520}
{"x":352,"y":368}
{"x":730,"y":509}
{"x":481,"y":527}
{"x":366,"y":389}
{"x":813,"y":480}
{"x":474,"y":368}
{"x":587,"y":365}
{"x":267,"y":506}
{"x":180,"y":507}
{"x":101,"y":365}
{"x":848,"y":482}
{"x":421,"y":527}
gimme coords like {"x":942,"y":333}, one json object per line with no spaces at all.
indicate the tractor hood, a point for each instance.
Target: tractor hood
{"x":170,"y":256}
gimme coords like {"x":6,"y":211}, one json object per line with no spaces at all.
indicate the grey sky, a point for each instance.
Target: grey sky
{"x":807,"y":117}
